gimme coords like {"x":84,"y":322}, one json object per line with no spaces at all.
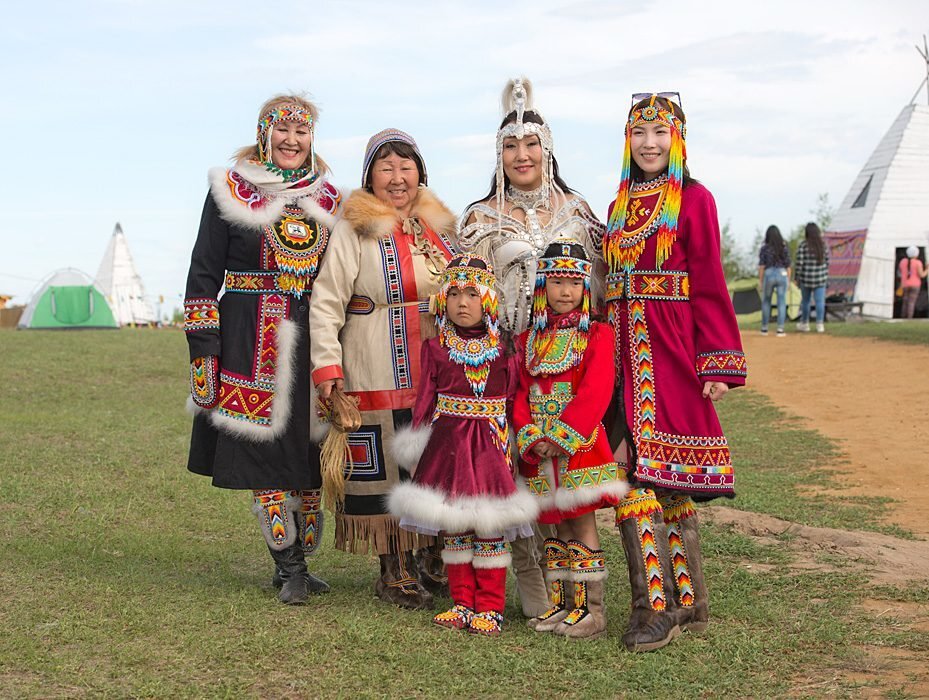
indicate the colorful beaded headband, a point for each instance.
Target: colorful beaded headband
{"x":282,"y":113}
{"x":564,"y":257}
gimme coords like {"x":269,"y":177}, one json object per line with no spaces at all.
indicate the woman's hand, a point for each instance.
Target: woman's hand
{"x":714,"y":390}
{"x":324,"y":389}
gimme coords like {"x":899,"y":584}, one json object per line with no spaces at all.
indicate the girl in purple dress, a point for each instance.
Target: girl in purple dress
{"x":458,"y":450}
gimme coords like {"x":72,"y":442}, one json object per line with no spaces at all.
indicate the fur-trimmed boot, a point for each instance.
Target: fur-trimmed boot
{"x":491,"y":559}
{"x":653,"y":622}
{"x":558,"y":578}
{"x":680,"y":517}
{"x":458,"y":555}
{"x":398,"y":584}
{"x":279,"y":515}
{"x":588,"y":619}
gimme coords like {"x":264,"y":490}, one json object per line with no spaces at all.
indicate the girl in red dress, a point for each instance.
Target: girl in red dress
{"x":678,"y":350}
{"x":458,"y":450}
{"x":565,"y":387}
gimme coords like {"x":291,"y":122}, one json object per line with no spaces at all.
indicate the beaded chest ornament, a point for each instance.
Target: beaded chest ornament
{"x":564,"y":257}
{"x":474,"y":354}
{"x":622,"y":248}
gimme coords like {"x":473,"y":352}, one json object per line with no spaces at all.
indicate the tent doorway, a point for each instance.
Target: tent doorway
{"x":922,"y":301}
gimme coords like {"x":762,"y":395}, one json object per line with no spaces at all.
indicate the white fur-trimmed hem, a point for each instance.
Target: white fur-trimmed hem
{"x":193,"y":409}
{"x":408,"y":445}
{"x":485,"y":515}
{"x":567,"y":500}
{"x":459,"y":557}
{"x":500,"y":561}
{"x":283,"y":388}
{"x":589,"y":576}
{"x":319,"y":428}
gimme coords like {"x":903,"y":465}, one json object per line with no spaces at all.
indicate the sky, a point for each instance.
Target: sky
{"x":118,"y":108}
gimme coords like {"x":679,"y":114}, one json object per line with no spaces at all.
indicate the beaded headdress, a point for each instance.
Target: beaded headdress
{"x":564,"y":257}
{"x":517,"y":97}
{"x":475,"y":354}
{"x":388,"y":136}
{"x":649,"y":111}
{"x":287,"y":112}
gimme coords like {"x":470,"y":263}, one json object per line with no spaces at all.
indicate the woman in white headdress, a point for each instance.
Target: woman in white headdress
{"x":527,"y":208}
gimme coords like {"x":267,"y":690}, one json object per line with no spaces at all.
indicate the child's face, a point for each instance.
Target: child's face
{"x":464,"y":307}
{"x":651,"y":147}
{"x":564,"y":293}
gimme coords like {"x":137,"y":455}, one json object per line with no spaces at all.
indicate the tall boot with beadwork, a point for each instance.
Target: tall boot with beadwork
{"x":458,"y":555}
{"x":491,"y":560}
{"x":279,"y":516}
{"x":310,"y":531}
{"x":680,"y":517}
{"x":653,"y":621}
{"x":558,"y":578}
{"x":588,"y":619}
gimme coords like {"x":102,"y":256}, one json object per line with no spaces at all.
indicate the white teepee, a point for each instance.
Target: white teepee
{"x":120,"y":283}
{"x":888,"y":204}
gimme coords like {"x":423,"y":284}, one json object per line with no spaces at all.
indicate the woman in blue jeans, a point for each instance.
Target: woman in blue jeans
{"x":812,"y":275}
{"x":773,"y":275}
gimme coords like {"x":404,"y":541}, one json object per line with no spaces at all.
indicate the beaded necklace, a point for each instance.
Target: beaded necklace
{"x":473,"y":354}
{"x":288,"y":175}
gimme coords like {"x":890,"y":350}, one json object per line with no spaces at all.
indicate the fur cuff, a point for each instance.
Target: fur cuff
{"x":408,"y":445}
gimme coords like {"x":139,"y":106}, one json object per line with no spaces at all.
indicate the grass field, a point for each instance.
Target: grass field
{"x":122,"y":575}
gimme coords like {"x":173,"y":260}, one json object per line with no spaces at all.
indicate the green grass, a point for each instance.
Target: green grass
{"x":122,"y":575}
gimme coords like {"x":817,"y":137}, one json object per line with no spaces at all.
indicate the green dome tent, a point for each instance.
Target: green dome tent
{"x":68,"y":299}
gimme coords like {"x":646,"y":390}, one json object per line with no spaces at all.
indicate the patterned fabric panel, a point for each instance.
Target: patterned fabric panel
{"x":203,"y":381}
{"x":201,"y":314}
{"x":727,"y":362}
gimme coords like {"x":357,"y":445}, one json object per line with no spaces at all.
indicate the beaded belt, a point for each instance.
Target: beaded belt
{"x":470,"y":406}
{"x":362,"y":305}
{"x":262,"y":282}
{"x":648,"y":284}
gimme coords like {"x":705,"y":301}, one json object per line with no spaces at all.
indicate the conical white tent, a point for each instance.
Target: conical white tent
{"x":886,"y":208}
{"x":120,"y":283}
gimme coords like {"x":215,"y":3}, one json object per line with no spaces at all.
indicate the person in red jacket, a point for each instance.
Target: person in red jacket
{"x":565,"y":387}
{"x":678,"y":350}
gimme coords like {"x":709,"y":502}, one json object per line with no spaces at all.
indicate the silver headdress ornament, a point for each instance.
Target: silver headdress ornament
{"x":517,"y":97}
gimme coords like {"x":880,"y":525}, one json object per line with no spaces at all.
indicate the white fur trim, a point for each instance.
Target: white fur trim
{"x":292,"y":507}
{"x":566,"y":500}
{"x":408,"y":445}
{"x":235,"y":212}
{"x":485,"y":515}
{"x":316,"y":212}
{"x":193,"y":409}
{"x":501,"y":561}
{"x":462,"y":557}
{"x":283,"y":386}
{"x":589,"y":576}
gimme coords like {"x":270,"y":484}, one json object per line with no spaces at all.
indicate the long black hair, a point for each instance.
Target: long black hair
{"x":775,"y":241}
{"x":529,"y":116}
{"x":814,"y":241}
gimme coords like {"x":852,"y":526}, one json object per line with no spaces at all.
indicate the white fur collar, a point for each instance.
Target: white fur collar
{"x":369,"y":216}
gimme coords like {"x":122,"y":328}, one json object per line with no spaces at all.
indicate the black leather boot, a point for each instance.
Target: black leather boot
{"x":398,"y":584}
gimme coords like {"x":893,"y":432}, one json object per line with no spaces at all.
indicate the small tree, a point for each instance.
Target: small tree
{"x":736,"y":261}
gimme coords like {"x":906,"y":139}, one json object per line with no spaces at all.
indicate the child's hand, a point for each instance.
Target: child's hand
{"x":714,"y":390}
{"x":544,"y":449}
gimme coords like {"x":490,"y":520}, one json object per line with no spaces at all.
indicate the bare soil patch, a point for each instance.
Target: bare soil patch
{"x":867,"y":394}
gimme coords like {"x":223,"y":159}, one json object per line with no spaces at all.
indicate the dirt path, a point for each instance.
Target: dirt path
{"x":868,"y":395}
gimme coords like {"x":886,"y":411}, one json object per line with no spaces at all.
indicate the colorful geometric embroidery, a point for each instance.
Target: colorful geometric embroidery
{"x":488,"y":550}
{"x":276,"y":516}
{"x":653,"y":574}
{"x":312,"y":520}
{"x":568,"y":439}
{"x":643,"y":371}
{"x":623,"y":247}
{"x":469,"y":406}
{"x":393,"y":280}
{"x":250,"y":399}
{"x":203,"y":371}
{"x":637,"y":503}
{"x":296,"y":244}
{"x":367,"y":455}
{"x":682,"y":580}
{"x":585,"y":562}
{"x":580,"y":604}
{"x":475,"y":355}
{"x":457,"y":618}
{"x":459,"y":545}
{"x":647,"y":284}
{"x":552,"y":352}
{"x":557,"y":559}
{"x":677,"y":507}
{"x":201,"y":315}
{"x":590,"y":477}
{"x":684,"y":460}
{"x":728,"y":362}
{"x":528,"y":435}
{"x":243,"y":191}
